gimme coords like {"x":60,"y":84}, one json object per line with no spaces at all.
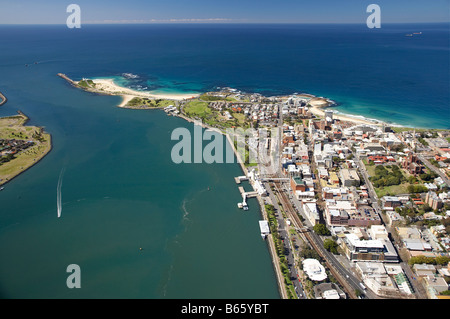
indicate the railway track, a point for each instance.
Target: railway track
{"x":292,"y":214}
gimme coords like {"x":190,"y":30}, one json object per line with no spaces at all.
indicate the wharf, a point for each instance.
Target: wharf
{"x":3,"y":99}
{"x":239,"y":179}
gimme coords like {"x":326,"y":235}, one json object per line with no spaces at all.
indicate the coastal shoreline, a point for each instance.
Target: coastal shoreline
{"x":317,"y":105}
{"x":108,"y":87}
{"x":29,"y":164}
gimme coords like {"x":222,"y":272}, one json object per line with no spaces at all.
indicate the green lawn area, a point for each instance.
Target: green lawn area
{"x":86,"y":83}
{"x":146,"y":102}
{"x":418,"y":130}
{"x":388,"y":190}
{"x":197,"y":108}
{"x":207,"y":97}
{"x":392,"y":190}
{"x":240,"y":118}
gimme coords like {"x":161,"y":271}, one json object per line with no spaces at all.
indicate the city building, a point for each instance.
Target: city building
{"x":413,"y":165}
{"x":314,"y":270}
{"x":328,"y":290}
{"x":391,"y":202}
{"x":375,"y":278}
{"x":311,"y":212}
{"x":368,"y":250}
{"x":349,"y":177}
{"x":297,"y":184}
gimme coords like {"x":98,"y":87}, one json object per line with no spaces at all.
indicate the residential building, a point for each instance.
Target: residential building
{"x":433,"y":200}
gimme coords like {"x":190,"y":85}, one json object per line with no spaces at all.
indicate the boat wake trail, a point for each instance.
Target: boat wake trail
{"x":185,"y":211}
{"x":58,"y":192}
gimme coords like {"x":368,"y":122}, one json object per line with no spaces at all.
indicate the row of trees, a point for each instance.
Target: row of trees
{"x":439,"y":260}
{"x":273,"y":225}
{"x":416,"y":189}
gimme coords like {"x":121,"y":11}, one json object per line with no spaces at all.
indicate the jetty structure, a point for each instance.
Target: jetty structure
{"x":258,"y":188}
{"x":239,"y":179}
{"x":245,"y":195}
{"x":3,"y":99}
{"x":65,"y":77}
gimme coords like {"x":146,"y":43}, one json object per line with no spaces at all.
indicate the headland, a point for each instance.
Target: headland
{"x":21,"y":146}
{"x":130,"y":98}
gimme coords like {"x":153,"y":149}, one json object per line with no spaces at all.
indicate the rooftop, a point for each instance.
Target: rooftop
{"x":314,"y":269}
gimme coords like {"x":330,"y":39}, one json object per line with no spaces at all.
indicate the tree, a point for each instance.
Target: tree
{"x":307,"y":252}
{"x":442,"y":260}
{"x":321,"y":229}
{"x":330,"y":245}
{"x":427,"y":208}
{"x":416,"y":189}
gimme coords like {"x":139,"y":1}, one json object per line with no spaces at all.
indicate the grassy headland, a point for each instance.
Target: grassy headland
{"x":15,"y":160}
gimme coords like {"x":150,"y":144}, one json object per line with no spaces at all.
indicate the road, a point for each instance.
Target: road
{"x":345,"y":277}
{"x":372,"y":194}
{"x":374,"y":198}
{"x":289,"y":250}
{"x":434,"y":169}
{"x":347,"y":280}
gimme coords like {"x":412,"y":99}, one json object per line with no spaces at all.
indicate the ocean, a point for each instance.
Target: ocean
{"x":120,"y":190}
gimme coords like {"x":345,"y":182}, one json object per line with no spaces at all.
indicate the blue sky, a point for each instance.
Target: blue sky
{"x":231,"y":11}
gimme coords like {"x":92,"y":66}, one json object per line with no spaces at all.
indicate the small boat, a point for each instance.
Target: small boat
{"x":408,"y":35}
{"x":2,"y":188}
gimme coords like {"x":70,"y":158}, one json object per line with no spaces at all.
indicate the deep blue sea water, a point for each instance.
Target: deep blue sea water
{"x":121,"y":191}
{"x":377,"y":73}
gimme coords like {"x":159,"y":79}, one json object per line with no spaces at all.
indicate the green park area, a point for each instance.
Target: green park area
{"x":200,"y":109}
{"x":393,"y":180}
{"x":142,"y":102}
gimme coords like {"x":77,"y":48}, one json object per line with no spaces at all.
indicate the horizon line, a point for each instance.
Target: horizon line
{"x":209,"y":21}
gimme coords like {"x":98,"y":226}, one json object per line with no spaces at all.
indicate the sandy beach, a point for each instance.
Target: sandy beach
{"x":318,"y":105}
{"x":108,"y":86}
